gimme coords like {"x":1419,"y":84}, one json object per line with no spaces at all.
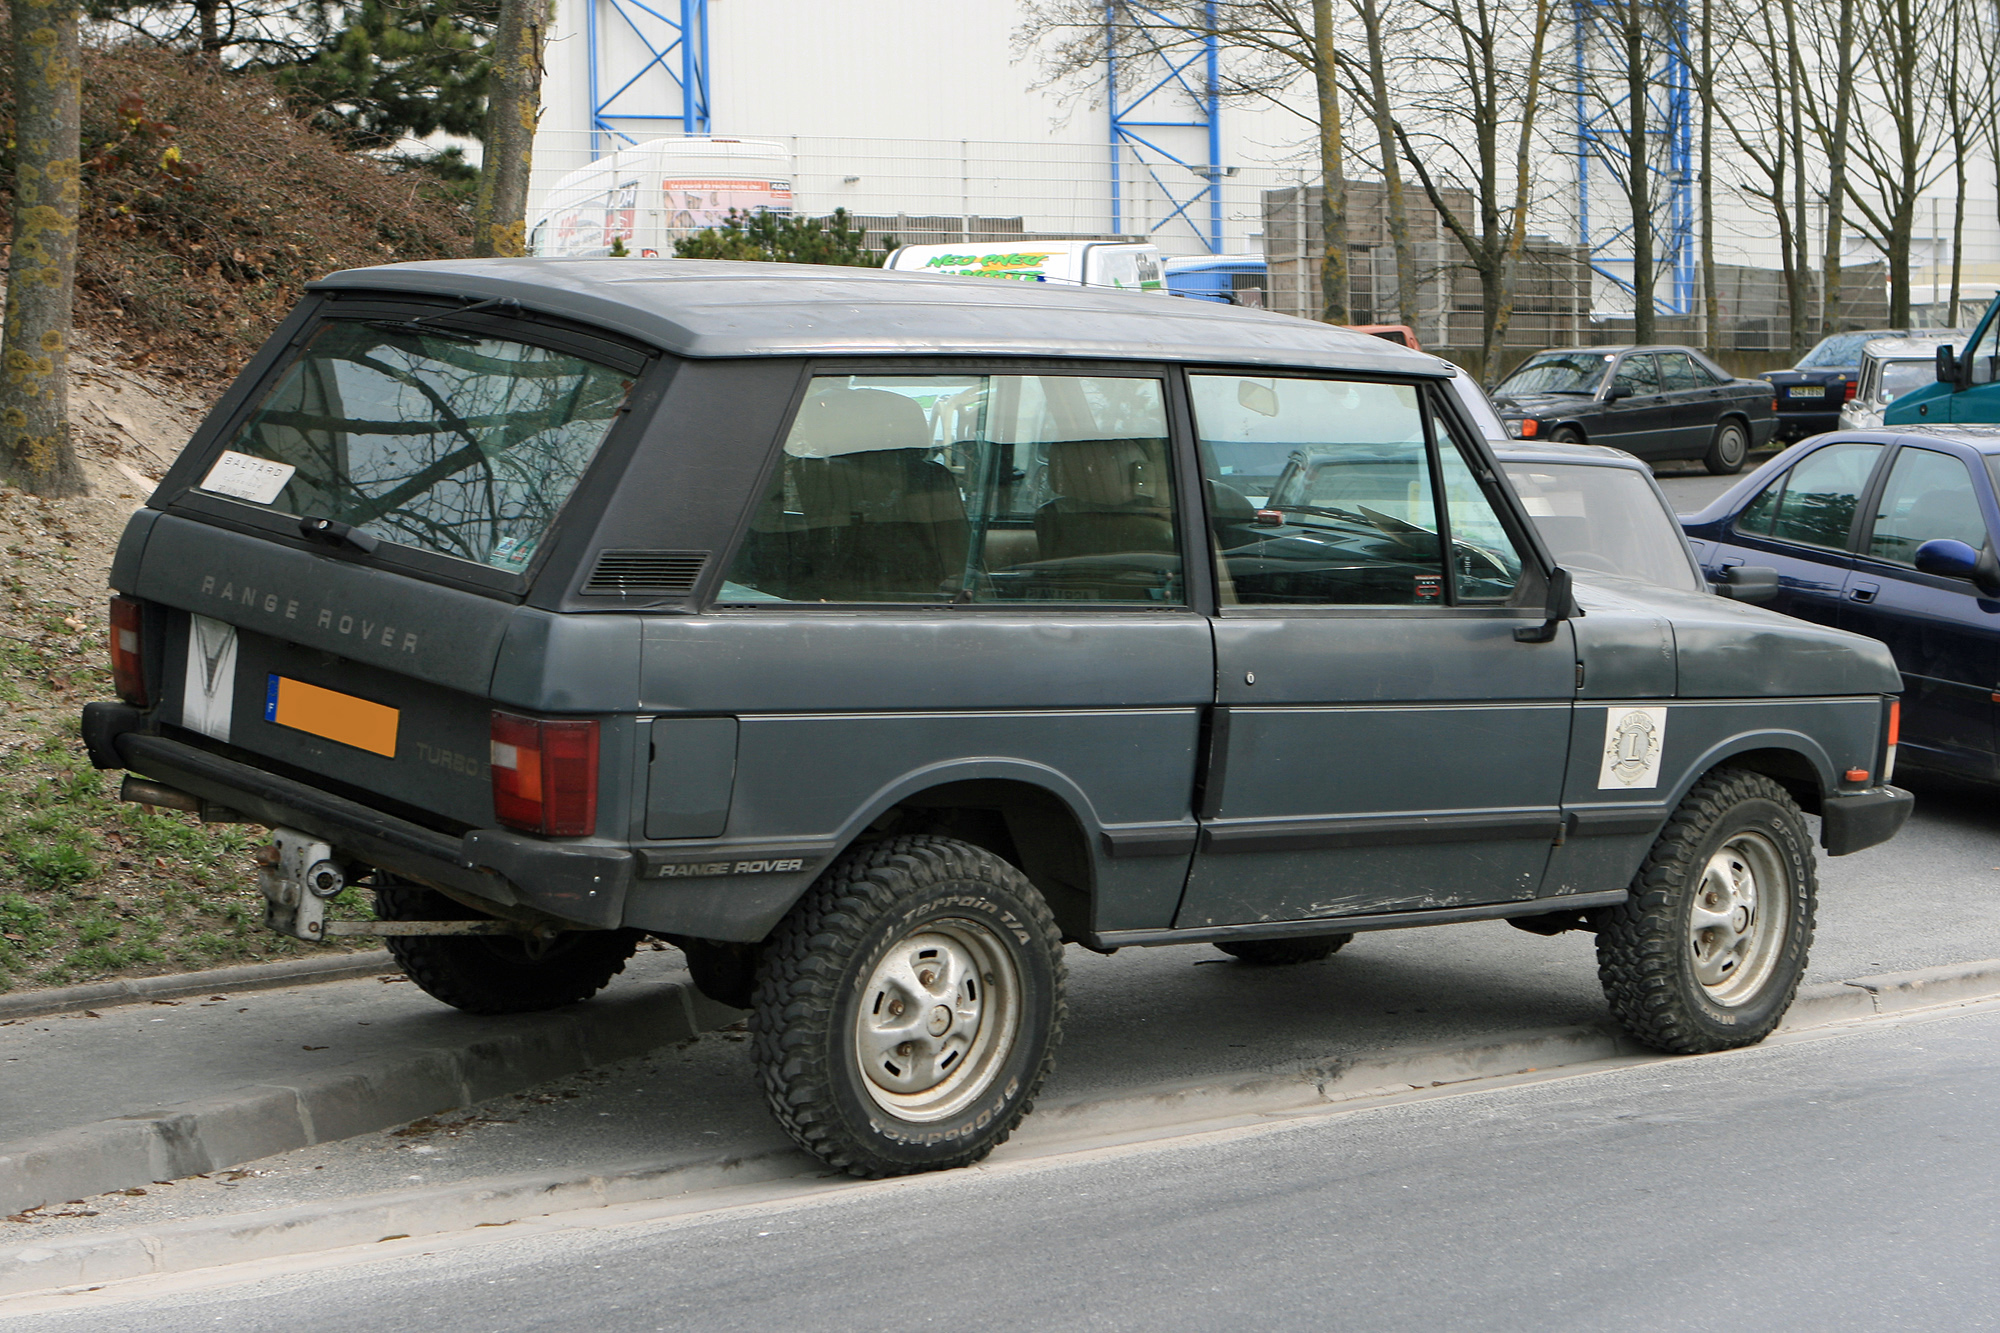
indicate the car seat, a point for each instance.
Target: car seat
{"x":1112,"y":497}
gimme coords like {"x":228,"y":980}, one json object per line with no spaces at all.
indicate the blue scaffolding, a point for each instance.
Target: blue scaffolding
{"x":1155,"y":60}
{"x":1670,"y":109}
{"x":674,"y":70}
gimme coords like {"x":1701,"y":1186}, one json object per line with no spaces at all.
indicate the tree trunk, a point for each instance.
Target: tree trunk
{"x":1392,"y":169}
{"x":1711,"y":299}
{"x":206,"y":12}
{"x":513,"y":104}
{"x":1638,"y":169}
{"x":41,"y":280}
{"x":1799,"y":297}
{"x":1836,"y":171}
{"x":1333,"y":194}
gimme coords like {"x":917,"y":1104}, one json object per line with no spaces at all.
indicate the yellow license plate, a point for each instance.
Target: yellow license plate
{"x":329,"y":713}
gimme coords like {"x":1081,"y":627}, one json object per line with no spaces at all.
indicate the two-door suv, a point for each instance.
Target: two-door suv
{"x":871,"y":636}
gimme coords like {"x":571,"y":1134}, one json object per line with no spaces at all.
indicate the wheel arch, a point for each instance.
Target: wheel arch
{"x":1792,"y":759}
{"x":1029,"y":815}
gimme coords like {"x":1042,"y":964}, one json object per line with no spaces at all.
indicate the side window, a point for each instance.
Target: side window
{"x":1678,"y":371}
{"x":1986,"y":356}
{"x":1816,"y":506}
{"x":968,"y":489}
{"x":1485,"y":566}
{"x":1928,"y":495}
{"x":1636,"y":376}
{"x":1351,"y":516}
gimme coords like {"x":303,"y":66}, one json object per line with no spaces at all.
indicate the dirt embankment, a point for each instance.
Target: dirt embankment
{"x":89,"y":886}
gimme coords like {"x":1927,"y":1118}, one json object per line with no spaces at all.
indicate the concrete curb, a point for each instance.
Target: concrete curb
{"x":251,"y":976}
{"x":275,"y":1233}
{"x":347,"y":1100}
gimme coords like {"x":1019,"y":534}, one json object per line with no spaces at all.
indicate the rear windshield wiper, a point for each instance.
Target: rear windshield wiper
{"x":420,"y":323}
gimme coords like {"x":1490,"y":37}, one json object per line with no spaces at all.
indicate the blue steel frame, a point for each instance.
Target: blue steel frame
{"x":676,"y":46}
{"x":1130,"y":118}
{"x":1671,"y":108}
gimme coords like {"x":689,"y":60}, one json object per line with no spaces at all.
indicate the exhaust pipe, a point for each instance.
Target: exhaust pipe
{"x":142,"y":792}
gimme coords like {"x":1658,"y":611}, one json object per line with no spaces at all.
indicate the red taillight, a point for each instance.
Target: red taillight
{"x":545,"y":775}
{"x":1852,"y":385}
{"x":128,"y":655}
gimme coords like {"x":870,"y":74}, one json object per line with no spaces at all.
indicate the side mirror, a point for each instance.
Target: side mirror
{"x":1748,"y":583}
{"x":1613,"y":393}
{"x":1947,"y":367}
{"x":1561,"y":606}
{"x":1955,"y":560}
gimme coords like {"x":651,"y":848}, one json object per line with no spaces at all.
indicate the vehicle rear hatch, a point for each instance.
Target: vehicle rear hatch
{"x":342,"y":553}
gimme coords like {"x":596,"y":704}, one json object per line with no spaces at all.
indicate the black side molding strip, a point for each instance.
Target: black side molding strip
{"x":1617,"y":821}
{"x":1154,"y":840}
{"x":1341,"y":925}
{"x":1289,"y":835}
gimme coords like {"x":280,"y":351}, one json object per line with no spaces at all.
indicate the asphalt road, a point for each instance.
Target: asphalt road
{"x":1846,"y":1182}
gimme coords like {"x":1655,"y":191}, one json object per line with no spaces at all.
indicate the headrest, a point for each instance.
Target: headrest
{"x":1115,"y":473}
{"x":857,"y":421}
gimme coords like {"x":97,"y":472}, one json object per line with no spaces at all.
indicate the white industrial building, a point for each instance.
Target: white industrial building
{"x":925,"y":110}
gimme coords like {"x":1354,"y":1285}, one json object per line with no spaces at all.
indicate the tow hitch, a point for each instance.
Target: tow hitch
{"x":298,"y":875}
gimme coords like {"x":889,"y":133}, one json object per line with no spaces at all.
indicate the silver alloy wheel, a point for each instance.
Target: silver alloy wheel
{"x":936,"y":1020}
{"x":1736,"y":925}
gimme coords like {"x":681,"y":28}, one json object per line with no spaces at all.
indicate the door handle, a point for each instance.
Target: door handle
{"x":1864,"y":592}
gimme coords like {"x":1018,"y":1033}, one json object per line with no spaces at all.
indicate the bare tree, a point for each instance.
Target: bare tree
{"x":1382,"y":114}
{"x":1898,"y":142}
{"x":41,"y":279}
{"x":513,"y":105}
{"x":1470,"y":124}
{"x":1275,"y":44}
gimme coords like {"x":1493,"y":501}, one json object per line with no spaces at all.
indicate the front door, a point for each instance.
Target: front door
{"x":1802,"y":525}
{"x":1381,"y":741}
{"x":1946,"y":637}
{"x":1639,"y":418}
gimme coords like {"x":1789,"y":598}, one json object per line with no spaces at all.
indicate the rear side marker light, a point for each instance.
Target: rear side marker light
{"x":545,"y":775}
{"x":1895,"y":734}
{"x":128,"y":657}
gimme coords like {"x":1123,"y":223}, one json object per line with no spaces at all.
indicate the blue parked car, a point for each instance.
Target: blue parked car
{"x":1887,"y":533}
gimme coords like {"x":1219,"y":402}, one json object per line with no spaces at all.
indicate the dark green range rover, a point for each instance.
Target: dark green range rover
{"x":872,"y":636}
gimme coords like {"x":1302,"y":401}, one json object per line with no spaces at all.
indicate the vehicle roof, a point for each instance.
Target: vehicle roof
{"x":1593,"y":455}
{"x":1621,"y":348}
{"x":725,"y":308}
{"x":1918,"y":346}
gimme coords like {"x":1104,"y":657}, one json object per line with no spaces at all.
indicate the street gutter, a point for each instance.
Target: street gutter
{"x":1172,"y":1110}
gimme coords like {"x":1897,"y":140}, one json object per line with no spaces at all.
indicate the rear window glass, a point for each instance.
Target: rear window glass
{"x":461,"y":445}
{"x":1604,"y":520}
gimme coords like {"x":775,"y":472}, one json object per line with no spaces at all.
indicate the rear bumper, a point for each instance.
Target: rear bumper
{"x":1796,"y":425}
{"x":584,"y":884}
{"x":1853,"y":820}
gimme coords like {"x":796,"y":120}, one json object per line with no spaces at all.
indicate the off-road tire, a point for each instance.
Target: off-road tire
{"x":1279,"y":953}
{"x":1728,"y":450}
{"x":813,"y":1013}
{"x":1646,"y":949}
{"x":484,"y":974}
{"x":1566,"y":435}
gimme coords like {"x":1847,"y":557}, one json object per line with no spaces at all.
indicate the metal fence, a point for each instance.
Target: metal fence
{"x":947,"y":190}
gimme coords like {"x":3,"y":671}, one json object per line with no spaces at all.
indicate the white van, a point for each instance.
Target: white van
{"x":1128,"y":265}
{"x":652,"y":194}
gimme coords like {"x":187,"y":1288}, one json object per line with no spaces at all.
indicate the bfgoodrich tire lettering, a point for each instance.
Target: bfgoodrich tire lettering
{"x":908,"y":1007}
{"x":484,"y":974}
{"x":1708,"y":951}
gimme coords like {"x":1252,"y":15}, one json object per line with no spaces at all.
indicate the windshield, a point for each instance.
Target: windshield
{"x":1901,"y":377}
{"x":1558,"y":372}
{"x":431,"y":439}
{"x":1604,"y":520}
{"x":1838,"y":352}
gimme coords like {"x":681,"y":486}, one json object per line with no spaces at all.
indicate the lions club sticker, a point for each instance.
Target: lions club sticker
{"x":1632,"y":741}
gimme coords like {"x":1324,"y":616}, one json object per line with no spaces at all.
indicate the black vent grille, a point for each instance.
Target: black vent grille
{"x":645,"y":574}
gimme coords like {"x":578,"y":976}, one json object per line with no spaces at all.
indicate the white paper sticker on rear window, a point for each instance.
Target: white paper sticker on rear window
{"x":243,"y":477}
